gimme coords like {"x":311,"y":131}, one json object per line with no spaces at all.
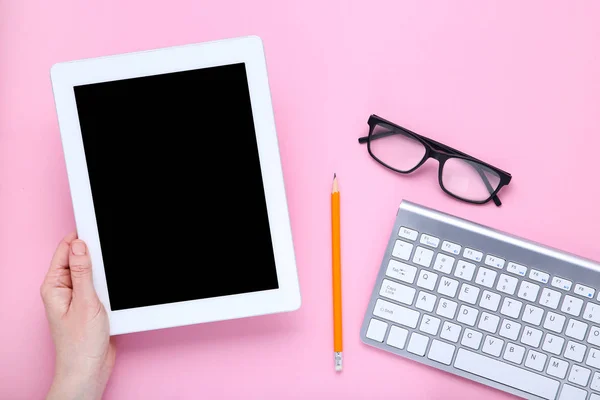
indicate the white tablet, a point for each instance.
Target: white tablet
{"x":176,"y":182}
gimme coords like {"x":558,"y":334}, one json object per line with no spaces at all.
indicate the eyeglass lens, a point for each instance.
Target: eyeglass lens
{"x":399,"y":150}
{"x":469,"y":180}
{"x":395,"y":148}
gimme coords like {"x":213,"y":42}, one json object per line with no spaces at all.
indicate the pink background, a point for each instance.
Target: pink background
{"x":514,"y":83}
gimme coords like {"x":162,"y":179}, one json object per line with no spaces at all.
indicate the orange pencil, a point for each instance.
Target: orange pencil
{"x":337,"y":274}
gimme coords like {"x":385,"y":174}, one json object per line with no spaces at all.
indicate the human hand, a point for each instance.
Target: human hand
{"x":85,"y":355}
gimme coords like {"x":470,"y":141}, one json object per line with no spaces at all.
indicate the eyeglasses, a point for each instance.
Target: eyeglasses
{"x":460,"y":175}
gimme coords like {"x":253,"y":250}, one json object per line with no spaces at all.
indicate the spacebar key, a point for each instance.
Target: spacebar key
{"x":506,"y":374}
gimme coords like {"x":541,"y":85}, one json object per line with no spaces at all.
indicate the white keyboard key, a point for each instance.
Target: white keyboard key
{"x":557,"y":368}
{"x":538,"y":276}
{"x":595,"y":396}
{"x":535,"y":360}
{"x":516,"y":269}
{"x":514,"y":353}
{"x":489,"y":300}
{"x":593,"y":358}
{"x":430,"y":324}
{"x":572,"y":305}
{"x":553,"y":344}
{"x":397,"y":292}
{"x":467,"y":315}
{"x":376,"y":330}
{"x":395,"y":313}
{"x":575,"y":351}
{"x":506,"y":374}
{"x":417,"y":344}
{"x":425,"y":301}
{"x":397,"y":337}
{"x":429,"y":240}
{"x":488,"y":322}
{"x":511,"y":307}
{"x":550,"y":298}
{"x":468,"y":293}
{"x":408,"y":233}
{"x":507,"y":284}
{"x":448,"y":287}
{"x":464,"y":270}
{"x":595,"y":383}
{"x":450,"y":331}
{"x":423,"y":256}
{"x":576,"y":329}
{"x":427,"y":279}
{"x":450,"y":247}
{"x":532,"y":314}
{"x":441,"y":352}
{"x":510,"y":329}
{"x":584,"y":291}
{"x":592,"y":312}
{"x":528,"y":291}
{"x":401,"y":271}
{"x":485,"y":277}
{"x":492,"y":346}
{"x":471,"y":254}
{"x":569,"y":392}
{"x":579,"y":375}
{"x":561,"y":283}
{"x":471,"y":339}
{"x":402,"y":250}
{"x":554,"y":322}
{"x":443,"y":263}
{"x":446,"y":308}
{"x":594,"y":336}
{"x":494,"y":261}
{"x":531,"y":336}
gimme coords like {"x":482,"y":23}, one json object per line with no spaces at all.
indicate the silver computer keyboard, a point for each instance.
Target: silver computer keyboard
{"x":488,"y":306}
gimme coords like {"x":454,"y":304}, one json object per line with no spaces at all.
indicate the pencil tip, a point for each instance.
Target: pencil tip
{"x":334,"y":175}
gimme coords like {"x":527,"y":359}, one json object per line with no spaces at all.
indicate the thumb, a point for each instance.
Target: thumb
{"x":80,"y":264}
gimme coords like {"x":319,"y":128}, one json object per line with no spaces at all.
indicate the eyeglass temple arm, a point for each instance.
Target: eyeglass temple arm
{"x":446,"y":149}
{"x":489,"y":187}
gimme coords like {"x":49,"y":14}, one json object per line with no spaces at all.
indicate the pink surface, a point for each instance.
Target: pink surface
{"x":515,"y":83}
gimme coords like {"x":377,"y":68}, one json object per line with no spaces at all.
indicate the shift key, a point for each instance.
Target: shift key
{"x":395,"y":313}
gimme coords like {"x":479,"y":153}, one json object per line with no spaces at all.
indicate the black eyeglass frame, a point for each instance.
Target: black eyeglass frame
{"x":441,"y":153}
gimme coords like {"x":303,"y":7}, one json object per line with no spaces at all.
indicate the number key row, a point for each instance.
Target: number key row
{"x":424,"y":256}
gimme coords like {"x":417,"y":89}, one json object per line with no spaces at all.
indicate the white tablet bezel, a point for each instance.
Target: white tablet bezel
{"x":248,"y":50}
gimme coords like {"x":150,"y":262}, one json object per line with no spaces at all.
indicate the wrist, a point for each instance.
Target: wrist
{"x":76,"y":388}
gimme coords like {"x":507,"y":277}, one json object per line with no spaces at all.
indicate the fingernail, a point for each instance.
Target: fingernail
{"x":78,"y":248}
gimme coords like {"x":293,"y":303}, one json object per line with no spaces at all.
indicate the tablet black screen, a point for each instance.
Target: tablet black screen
{"x":177,"y":188}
